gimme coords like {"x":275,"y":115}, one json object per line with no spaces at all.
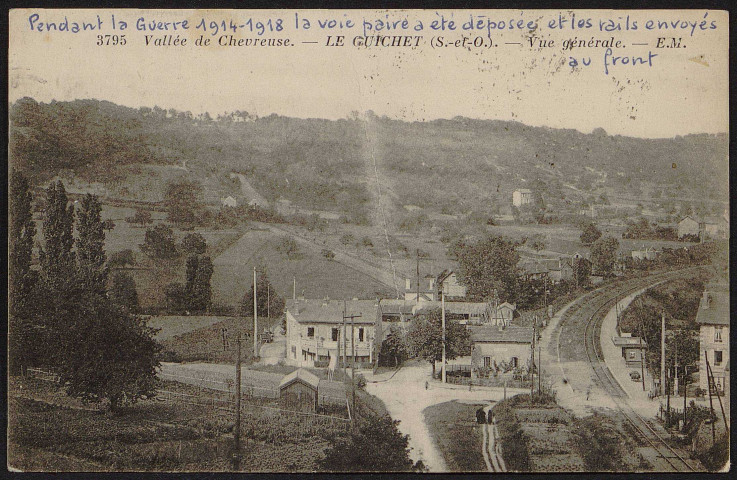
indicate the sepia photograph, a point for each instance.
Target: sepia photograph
{"x":368,"y":241}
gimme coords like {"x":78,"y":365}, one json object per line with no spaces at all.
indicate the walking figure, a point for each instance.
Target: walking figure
{"x":490,"y":417}
{"x":426,"y":384}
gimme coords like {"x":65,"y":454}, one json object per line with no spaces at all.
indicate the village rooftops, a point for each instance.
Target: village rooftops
{"x":300,"y":375}
{"x":714,"y":305}
{"x":493,"y":334}
{"x":331,"y":311}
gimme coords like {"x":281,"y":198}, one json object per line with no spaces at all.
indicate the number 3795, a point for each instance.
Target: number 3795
{"x":110,"y":40}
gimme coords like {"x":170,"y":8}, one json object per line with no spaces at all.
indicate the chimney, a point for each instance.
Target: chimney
{"x":407,"y":285}
{"x":705,"y":300}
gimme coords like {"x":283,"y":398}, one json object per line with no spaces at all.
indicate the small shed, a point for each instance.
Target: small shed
{"x":633,"y":349}
{"x":298,"y":391}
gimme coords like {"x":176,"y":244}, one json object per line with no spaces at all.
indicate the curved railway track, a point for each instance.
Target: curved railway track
{"x":582,"y":324}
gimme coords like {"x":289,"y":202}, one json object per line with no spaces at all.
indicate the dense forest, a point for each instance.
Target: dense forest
{"x":466,"y":164}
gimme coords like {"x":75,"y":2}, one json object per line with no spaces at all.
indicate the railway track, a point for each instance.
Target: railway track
{"x":586,"y":316}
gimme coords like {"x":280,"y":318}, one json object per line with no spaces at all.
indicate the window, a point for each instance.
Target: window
{"x":310,"y":332}
{"x":718,"y":334}
{"x":632,"y":355}
{"x":360,"y":334}
{"x":335,"y":335}
{"x":487,"y":362}
{"x":294,"y":352}
{"x":514,"y":362}
{"x":717,"y":357}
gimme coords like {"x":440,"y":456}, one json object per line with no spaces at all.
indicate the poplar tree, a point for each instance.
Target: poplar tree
{"x":21,"y":231}
{"x":123,"y":291}
{"x":91,"y":246}
{"x":57,"y":258}
{"x":202,"y":298}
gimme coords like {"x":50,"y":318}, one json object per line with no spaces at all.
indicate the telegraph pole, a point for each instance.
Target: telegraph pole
{"x":237,"y":432}
{"x":532,"y":364}
{"x":418,"y":275}
{"x":711,"y":376}
{"x":345,"y":360}
{"x":711,"y":403}
{"x":442,"y":321}
{"x":255,"y":318}
{"x":353,"y":364}
{"x":662,"y":352}
{"x":540,"y":373}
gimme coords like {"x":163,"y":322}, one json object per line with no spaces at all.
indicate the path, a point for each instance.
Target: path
{"x":271,"y":353}
{"x":405,"y":398}
{"x":492,"y":455}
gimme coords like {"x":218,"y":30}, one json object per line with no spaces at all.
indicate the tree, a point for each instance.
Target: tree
{"x":288,"y":246}
{"x":115,"y":356}
{"x":194,"y":244}
{"x":91,"y":246}
{"x":57,"y":259}
{"x":394,"y":346}
{"x":123,"y":291}
{"x":425,"y":338}
{"x":193,"y":264}
{"x":604,"y":254}
{"x":269,"y":304}
{"x":122,"y":258}
{"x":180,"y":199}
{"x":375,"y":445}
{"x":142,"y":217}
{"x":176,"y":297}
{"x":347,"y":239}
{"x":202,"y":291}
{"x":21,"y":279}
{"x":488,"y":265}
{"x":159,"y":242}
{"x":108,"y":225}
{"x":589,"y":234}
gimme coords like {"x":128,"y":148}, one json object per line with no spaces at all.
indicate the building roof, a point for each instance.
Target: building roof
{"x":392,"y":306}
{"x":714,"y":305}
{"x":629,"y":342}
{"x":300,"y":375}
{"x":331,"y":311}
{"x":492,"y":334}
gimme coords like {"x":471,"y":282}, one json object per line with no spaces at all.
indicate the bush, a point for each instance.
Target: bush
{"x":122,"y":258}
{"x":329,"y":254}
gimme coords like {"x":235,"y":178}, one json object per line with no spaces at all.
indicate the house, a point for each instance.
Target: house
{"x":299,"y":391}
{"x":713,"y":320}
{"x":522,"y":197}
{"x":317,"y":331}
{"x":647,"y":253}
{"x":500,"y":348}
{"x":563,"y":271}
{"x":448,"y":282}
{"x":689,"y":226}
{"x":427,"y":290}
{"x":228,"y":201}
{"x":633,"y":349}
{"x":716,"y":227}
{"x":533,"y":269}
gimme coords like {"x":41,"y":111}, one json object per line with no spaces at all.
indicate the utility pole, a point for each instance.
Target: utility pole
{"x":719,"y":397}
{"x":353,"y":364}
{"x":642,"y":360}
{"x":685,"y":385}
{"x":255,"y":318}
{"x":268,"y":300}
{"x":237,"y":432}
{"x":540,"y":373}
{"x":418,"y":275}
{"x":345,"y":360}
{"x":532,"y":363}
{"x":711,"y":403}
{"x":442,"y":321}
{"x":662,"y":352}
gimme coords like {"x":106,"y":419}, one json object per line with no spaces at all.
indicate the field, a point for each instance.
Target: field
{"x":316,"y":276}
{"x":46,"y":434}
{"x":454,"y":429}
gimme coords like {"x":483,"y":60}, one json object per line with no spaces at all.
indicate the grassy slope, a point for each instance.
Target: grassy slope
{"x":454,"y":429}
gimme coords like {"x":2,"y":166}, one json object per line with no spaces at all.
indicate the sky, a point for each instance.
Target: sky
{"x":684,"y":91}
